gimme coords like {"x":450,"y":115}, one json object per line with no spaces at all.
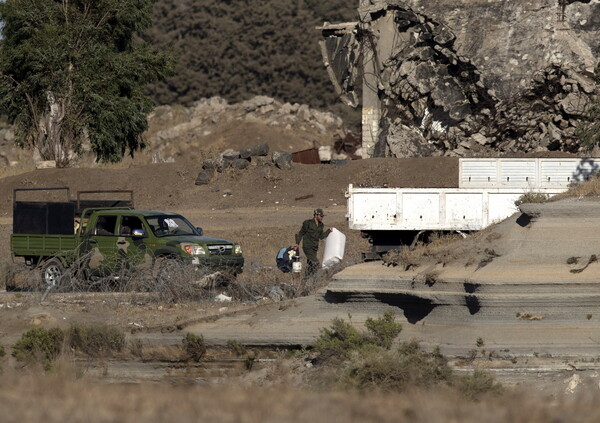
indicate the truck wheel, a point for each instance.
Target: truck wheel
{"x":52,"y":273}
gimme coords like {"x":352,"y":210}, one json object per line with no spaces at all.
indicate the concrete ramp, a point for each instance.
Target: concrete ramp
{"x":539,"y":292}
{"x":525,"y":303}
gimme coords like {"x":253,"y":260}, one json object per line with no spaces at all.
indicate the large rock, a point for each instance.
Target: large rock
{"x":240,"y":163}
{"x":282,"y":159}
{"x":261,"y":149}
{"x":576,"y":104}
{"x":204,"y":177}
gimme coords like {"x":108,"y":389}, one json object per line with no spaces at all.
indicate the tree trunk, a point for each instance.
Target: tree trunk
{"x":52,"y":142}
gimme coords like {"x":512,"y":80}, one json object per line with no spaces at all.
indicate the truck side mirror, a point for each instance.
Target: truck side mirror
{"x":200,"y":231}
{"x":138,"y":233}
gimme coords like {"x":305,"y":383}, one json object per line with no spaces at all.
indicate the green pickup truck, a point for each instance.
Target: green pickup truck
{"x":102,"y":236}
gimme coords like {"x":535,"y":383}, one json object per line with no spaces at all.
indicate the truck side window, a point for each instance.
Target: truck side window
{"x":129,"y":224}
{"x":105,"y":225}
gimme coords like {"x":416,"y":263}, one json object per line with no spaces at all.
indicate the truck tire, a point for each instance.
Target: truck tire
{"x":52,"y":273}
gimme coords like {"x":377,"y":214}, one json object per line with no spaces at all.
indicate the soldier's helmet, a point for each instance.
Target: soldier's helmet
{"x":319,"y":212}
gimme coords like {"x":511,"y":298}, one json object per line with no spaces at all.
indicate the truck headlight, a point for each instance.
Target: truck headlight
{"x":192,"y":249}
{"x":237,"y":249}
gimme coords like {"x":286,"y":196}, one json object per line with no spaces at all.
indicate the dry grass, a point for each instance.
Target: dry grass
{"x":529,"y":316}
{"x":531,"y":197}
{"x":438,"y":249}
{"x":260,"y":281}
{"x":589,"y":188}
{"x":66,"y":396}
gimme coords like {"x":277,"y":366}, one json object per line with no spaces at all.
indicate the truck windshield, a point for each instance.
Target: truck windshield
{"x":168,"y":225}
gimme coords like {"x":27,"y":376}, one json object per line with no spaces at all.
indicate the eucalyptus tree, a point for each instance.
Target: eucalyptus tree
{"x":76,"y":70}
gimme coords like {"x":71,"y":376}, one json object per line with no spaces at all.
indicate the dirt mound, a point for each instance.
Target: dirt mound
{"x":172,"y":185}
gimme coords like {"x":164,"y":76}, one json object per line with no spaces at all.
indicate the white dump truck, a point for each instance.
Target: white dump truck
{"x":486,"y":193}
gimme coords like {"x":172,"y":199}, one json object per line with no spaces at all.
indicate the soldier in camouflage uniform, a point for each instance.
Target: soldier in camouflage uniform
{"x":310,"y":234}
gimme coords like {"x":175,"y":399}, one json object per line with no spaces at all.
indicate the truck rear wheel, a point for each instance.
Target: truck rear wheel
{"x":52,"y":273}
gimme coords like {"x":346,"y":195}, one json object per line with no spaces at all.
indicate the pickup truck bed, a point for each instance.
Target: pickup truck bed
{"x":43,"y":245}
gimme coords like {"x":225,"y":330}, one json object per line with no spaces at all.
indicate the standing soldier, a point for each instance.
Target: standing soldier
{"x":310,"y":234}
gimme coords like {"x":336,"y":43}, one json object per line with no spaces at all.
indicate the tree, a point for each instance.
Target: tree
{"x":239,"y":49}
{"x":72,"y":70}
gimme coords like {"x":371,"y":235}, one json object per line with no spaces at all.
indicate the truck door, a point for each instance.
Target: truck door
{"x":100,"y":246}
{"x":131,"y":248}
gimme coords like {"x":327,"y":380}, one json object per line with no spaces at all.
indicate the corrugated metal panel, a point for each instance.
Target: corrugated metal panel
{"x":479,"y":173}
{"x":525,"y":173}
{"x":517,"y":172}
{"x":558,"y":172}
{"x":306,"y":156}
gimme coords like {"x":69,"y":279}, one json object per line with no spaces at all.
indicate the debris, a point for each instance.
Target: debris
{"x":261,"y":149}
{"x":222,"y":298}
{"x":304,"y":197}
{"x":282,"y":159}
{"x":203,"y":178}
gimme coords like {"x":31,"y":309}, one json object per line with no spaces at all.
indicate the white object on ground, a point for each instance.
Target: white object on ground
{"x":223,"y":298}
{"x":335,"y":244}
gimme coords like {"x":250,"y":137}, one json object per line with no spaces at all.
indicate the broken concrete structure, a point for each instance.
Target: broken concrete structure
{"x":467,"y":78}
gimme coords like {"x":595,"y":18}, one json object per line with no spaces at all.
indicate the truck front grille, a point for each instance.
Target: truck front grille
{"x":220,"y":249}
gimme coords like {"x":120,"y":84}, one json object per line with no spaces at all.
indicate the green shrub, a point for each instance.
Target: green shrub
{"x":39,"y":345}
{"x":236,"y":347}
{"x":384,"y":329}
{"x":477,"y":384}
{"x":408,"y":366}
{"x":96,"y":340}
{"x":194,"y":346}
{"x":338,"y":342}
{"x":2,"y":351}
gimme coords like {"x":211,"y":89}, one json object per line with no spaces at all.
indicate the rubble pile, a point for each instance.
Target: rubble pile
{"x":254,"y":155}
{"x":546,"y":115}
{"x":176,"y":132}
{"x":427,"y":86}
{"x":175,"y":124}
{"x":488,"y":88}
{"x":436,"y":103}
{"x":543,"y":117}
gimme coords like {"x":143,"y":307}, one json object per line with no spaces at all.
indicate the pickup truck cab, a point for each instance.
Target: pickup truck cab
{"x":103,"y":240}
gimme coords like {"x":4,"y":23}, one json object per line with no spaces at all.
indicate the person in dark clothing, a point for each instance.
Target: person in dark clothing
{"x":310,"y":234}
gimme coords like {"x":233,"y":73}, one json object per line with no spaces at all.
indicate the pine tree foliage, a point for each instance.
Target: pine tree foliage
{"x":238,"y":49}
{"x":76,"y":69}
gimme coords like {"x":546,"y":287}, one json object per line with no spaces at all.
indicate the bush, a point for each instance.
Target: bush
{"x":477,"y":384}
{"x":342,"y":339}
{"x":194,"y":346}
{"x":383,"y":329}
{"x":531,"y":197}
{"x":2,"y":351}
{"x":39,"y":345}
{"x":338,"y":342}
{"x":7,"y":275}
{"x":236,"y":347}
{"x":406,"y":367}
{"x":96,"y":341}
